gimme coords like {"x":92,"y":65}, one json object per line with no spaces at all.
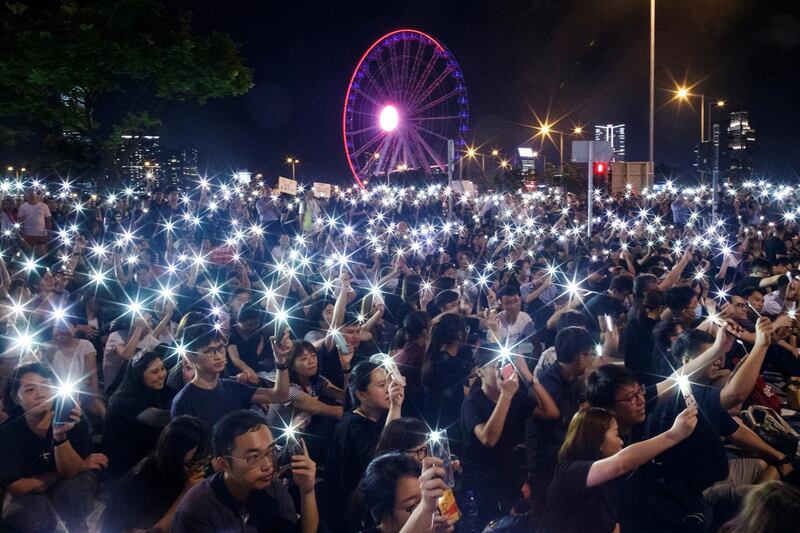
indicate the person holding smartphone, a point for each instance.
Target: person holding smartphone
{"x":47,"y":467}
{"x":580,"y":497}
{"x":493,"y":419}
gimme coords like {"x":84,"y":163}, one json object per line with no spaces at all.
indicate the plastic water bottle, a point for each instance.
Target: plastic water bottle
{"x":469,"y":509}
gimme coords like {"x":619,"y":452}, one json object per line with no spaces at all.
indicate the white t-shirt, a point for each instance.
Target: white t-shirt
{"x":70,"y":365}
{"x":510,"y":333}
{"x":32,"y":218}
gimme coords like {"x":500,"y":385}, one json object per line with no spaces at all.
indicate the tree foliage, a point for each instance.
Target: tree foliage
{"x":66,"y":64}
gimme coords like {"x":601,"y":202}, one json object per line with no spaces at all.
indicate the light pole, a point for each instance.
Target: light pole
{"x":652,"y":81}
{"x":292,"y":161}
{"x":16,"y":171}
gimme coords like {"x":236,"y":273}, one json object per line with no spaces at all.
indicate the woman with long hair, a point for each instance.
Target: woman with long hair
{"x":445,"y":370}
{"x":307,"y":390}
{"x":580,"y":497}
{"x":373,"y":400}
{"x":771,"y":507}
{"x":146,"y":497}
{"x":137,"y":412}
{"x":410,"y":342}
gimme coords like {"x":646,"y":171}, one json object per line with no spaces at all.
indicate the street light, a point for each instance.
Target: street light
{"x":293,"y":161}
{"x":17,"y":171}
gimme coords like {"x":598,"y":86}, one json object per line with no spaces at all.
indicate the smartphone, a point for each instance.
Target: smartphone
{"x":390,"y":366}
{"x":686,"y":391}
{"x":341,"y":344}
{"x":507,"y":371}
{"x":291,"y":447}
{"x":609,"y":323}
{"x":439,"y":446}
{"x":63,"y":407}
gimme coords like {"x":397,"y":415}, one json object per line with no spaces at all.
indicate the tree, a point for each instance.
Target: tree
{"x":66,"y":64}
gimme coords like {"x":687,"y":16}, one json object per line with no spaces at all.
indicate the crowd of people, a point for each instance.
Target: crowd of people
{"x":398,"y":359}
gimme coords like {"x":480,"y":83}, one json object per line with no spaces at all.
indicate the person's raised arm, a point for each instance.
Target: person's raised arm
{"x":426,"y":517}
{"x":722,"y":344}
{"x":311,"y":405}
{"x":304,"y":474}
{"x":126,"y":350}
{"x":280,"y":392}
{"x":772,"y":280}
{"x":547,"y":408}
{"x":396,"y":395}
{"x":635,"y":455}
{"x":489,"y":432}
{"x":741,"y":382}
{"x":674,"y":274}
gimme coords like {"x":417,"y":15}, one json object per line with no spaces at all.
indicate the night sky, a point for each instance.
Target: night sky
{"x":584,"y":60}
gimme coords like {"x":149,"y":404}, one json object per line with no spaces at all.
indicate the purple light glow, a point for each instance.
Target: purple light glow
{"x":389,"y":118}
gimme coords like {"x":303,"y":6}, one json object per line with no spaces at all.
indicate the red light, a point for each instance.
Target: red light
{"x":599,"y":168}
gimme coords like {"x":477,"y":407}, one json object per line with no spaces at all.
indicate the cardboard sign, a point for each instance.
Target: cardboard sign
{"x":322,"y":190}
{"x":463,"y":186}
{"x":287,"y":186}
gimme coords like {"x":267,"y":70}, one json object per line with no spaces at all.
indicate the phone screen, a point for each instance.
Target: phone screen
{"x":507,"y":371}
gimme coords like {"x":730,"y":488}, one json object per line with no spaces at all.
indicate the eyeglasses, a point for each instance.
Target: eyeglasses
{"x":255,"y":459}
{"x":420,"y":453}
{"x":211,"y":351}
{"x":634,"y":397}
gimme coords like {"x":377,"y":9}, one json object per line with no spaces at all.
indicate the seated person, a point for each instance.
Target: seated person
{"x":769,"y":507}
{"x":147,"y":496}
{"x":306,"y":388}
{"x":407,"y":435}
{"x":247,"y":346}
{"x":376,"y":401}
{"x":493,"y":419}
{"x":398,"y":497}
{"x":544,"y":436}
{"x":47,"y":469}
{"x":246,"y":494}
{"x":593,"y":455}
{"x":137,"y":413}
{"x":210,"y":398}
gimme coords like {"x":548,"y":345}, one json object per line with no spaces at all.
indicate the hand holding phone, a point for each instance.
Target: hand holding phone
{"x":439,"y":447}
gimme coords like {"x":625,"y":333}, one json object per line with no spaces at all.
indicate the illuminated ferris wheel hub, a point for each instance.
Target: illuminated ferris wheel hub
{"x":405,"y":100}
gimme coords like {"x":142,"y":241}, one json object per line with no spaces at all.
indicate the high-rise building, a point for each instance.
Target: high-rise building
{"x":139,"y":160}
{"x":615,"y":135}
{"x":179,"y":168}
{"x":741,"y":145}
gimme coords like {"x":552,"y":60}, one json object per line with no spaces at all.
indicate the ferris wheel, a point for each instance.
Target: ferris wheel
{"x":406,"y":98}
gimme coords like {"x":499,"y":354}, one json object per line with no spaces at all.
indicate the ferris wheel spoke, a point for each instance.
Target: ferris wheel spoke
{"x":415,"y":67}
{"x":425,"y":119}
{"x":431,"y":132}
{"x":366,"y":145}
{"x":368,"y":97}
{"x":418,"y":86}
{"x":378,"y":87}
{"x":432,"y":87}
{"x":437,"y":101}
{"x":417,"y":155}
{"x":364,"y":130}
{"x":396,"y":76}
{"x":404,"y":64}
{"x":427,"y":147}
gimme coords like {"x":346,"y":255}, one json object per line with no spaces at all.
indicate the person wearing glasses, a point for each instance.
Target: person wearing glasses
{"x":246,"y":495}
{"x":147,"y":496}
{"x":408,"y":435}
{"x":207,"y":396}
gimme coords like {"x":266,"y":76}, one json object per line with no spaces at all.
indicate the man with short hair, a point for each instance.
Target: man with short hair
{"x":512,"y":319}
{"x":574,"y":352}
{"x":612,"y":302}
{"x":36,"y":220}
{"x":245,"y":495}
{"x":208,"y":397}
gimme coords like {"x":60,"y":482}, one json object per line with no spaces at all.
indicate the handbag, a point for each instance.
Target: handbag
{"x":772,"y":429}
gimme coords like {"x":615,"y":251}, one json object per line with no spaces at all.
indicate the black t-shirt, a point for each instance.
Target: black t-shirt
{"x":573,"y":507}
{"x":639,"y":344}
{"x":351,"y":450}
{"x":699,"y":460}
{"x":25,"y":455}
{"x":211,"y":405}
{"x":137,"y":501}
{"x":773,"y":247}
{"x":544,"y":437}
{"x":247,"y":346}
{"x":444,"y":393}
{"x":494,"y":467}
{"x":603,"y":304}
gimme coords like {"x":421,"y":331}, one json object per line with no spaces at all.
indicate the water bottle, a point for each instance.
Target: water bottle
{"x":469,"y":509}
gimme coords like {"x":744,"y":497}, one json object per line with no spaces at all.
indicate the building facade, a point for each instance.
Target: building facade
{"x":741,"y":146}
{"x":615,"y":135}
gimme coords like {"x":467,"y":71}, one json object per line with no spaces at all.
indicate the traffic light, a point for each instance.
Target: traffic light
{"x":600,"y":175}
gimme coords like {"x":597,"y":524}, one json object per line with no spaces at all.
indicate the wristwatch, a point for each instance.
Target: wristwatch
{"x":282,"y":366}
